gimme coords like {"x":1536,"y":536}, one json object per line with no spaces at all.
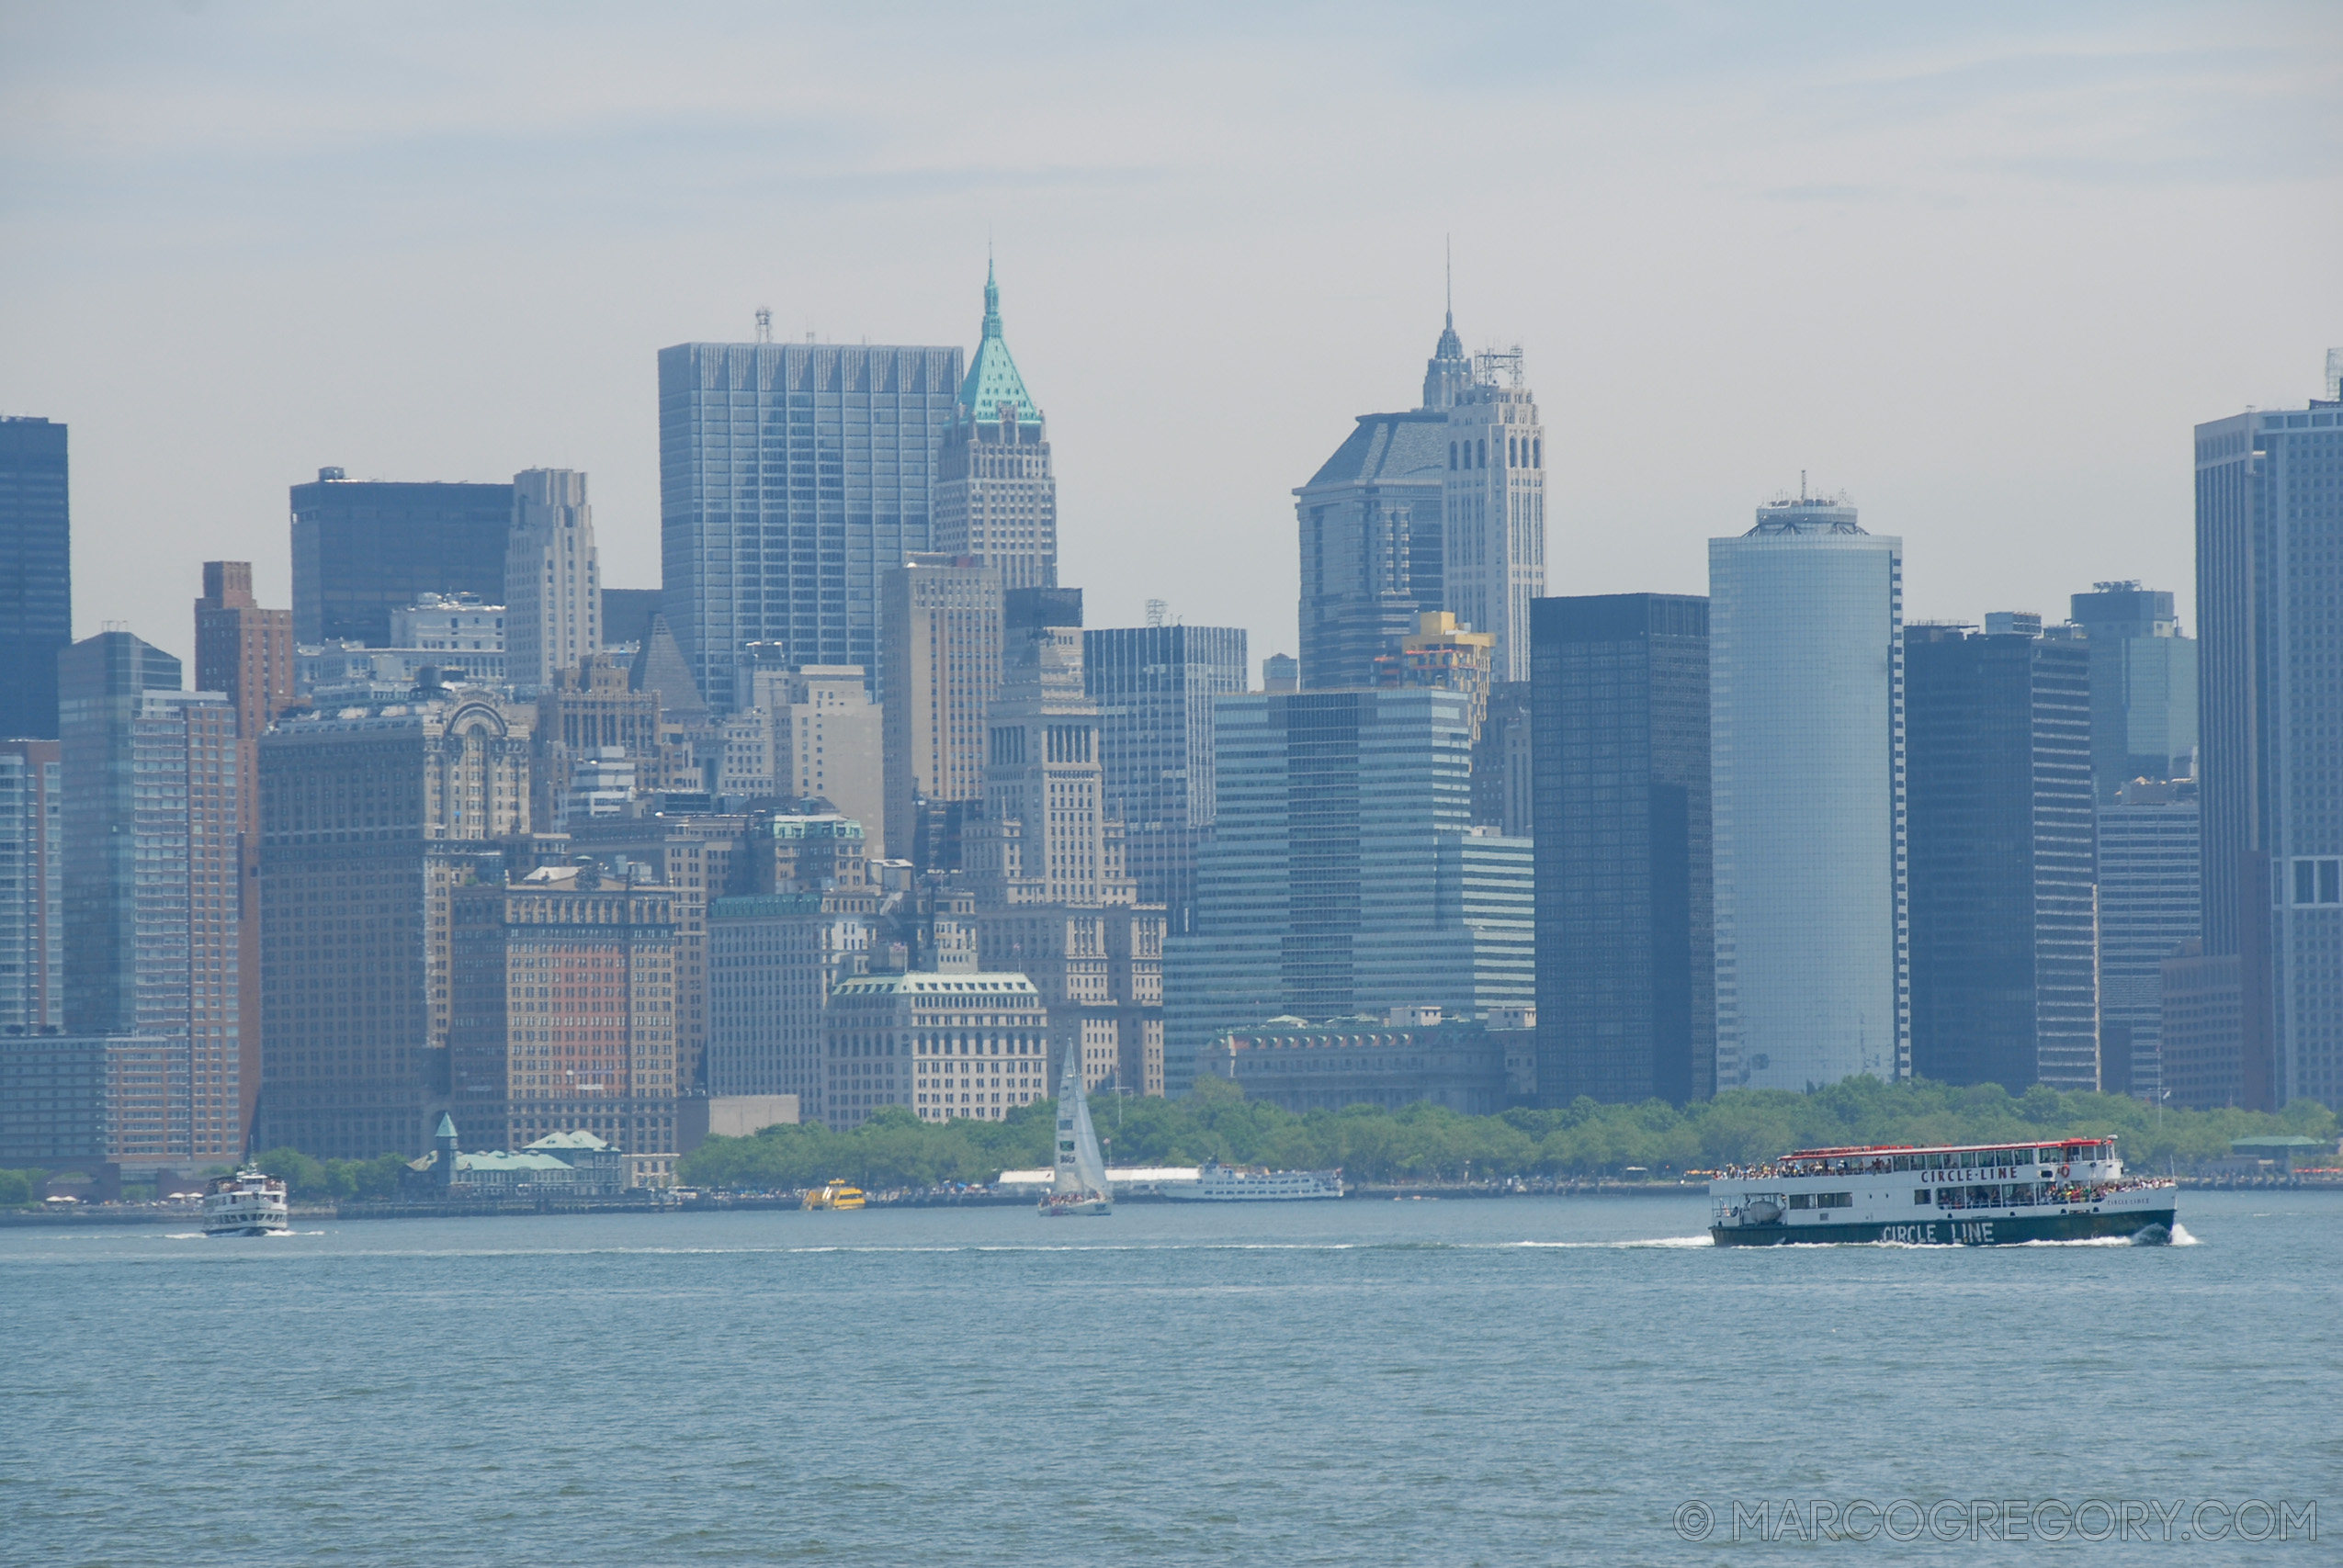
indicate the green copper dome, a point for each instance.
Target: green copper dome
{"x":993,"y":375}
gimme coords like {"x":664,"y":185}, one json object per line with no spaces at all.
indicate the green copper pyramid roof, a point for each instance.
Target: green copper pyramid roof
{"x":993,"y":375}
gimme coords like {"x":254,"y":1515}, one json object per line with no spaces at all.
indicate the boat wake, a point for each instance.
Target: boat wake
{"x":2180,"y":1236}
{"x":1656,"y":1241}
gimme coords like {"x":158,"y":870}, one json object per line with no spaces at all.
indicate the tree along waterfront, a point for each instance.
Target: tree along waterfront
{"x":1428,"y":1142}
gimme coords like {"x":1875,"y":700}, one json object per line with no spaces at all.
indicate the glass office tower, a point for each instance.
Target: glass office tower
{"x":36,"y":574}
{"x":793,"y":478}
{"x":1154,"y":687}
{"x":1343,"y":874}
{"x":2143,"y":686}
{"x":2005,"y":959}
{"x":363,"y":548}
{"x":1806,"y":737}
{"x":2270,"y":614}
{"x":2150,"y":899}
{"x":1626,"y":939}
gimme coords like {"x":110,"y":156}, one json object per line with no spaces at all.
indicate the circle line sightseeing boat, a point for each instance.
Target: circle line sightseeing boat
{"x":251,"y":1202}
{"x":1952,"y":1195}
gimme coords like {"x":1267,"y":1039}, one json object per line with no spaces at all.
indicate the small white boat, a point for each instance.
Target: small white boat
{"x":1078,"y":1184}
{"x":1216,"y":1183}
{"x":251,"y":1202}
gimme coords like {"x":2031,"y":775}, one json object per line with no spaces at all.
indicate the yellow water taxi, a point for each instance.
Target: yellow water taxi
{"x":834,"y":1195}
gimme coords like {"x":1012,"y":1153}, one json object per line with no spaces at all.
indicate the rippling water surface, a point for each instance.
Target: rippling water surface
{"x":1520,"y":1381}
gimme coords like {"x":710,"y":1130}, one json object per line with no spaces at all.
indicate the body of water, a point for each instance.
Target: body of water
{"x":1531,"y":1380}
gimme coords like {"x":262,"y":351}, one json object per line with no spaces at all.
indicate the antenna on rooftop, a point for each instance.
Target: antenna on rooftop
{"x":1802,"y":484}
{"x":1155,"y":612}
{"x":765,"y":323}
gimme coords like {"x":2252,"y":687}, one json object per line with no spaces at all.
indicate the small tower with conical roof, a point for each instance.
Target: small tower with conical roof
{"x":443,"y":1167}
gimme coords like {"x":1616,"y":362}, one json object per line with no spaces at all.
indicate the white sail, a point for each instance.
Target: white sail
{"x":1080,"y":1169}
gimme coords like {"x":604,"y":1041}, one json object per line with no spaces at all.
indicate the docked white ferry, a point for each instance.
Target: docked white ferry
{"x":1227,"y":1184}
{"x":1981,"y":1195}
{"x":251,"y":1202}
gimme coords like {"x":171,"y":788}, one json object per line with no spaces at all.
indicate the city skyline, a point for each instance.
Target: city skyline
{"x":1970,"y":405}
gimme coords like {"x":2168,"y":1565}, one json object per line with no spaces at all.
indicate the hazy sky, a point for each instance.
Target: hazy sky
{"x":1980,"y":265}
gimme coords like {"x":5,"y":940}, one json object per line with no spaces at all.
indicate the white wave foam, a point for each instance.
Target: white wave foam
{"x":1657,"y":1241}
{"x":2180,"y":1236}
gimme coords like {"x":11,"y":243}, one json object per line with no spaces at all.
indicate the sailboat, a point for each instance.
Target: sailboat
{"x":1080,"y":1185}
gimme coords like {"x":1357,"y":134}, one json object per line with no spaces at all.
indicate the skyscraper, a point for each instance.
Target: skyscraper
{"x":1154,"y":687}
{"x":36,"y":574}
{"x":1493,"y":509}
{"x":794,"y":476}
{"x":246,"y":652}
{"x":153,"y":911}
{"x":996,"y":499}
{"x":943,"y":654}
{"x":1373,"y":560}
{"x":2143,"y":686}
{"x":552,"y":579}
{"x":2270,"y":610}
{"x":1625,"y":940}
{"x":1343,"y":874}
{"x":1806,"y":767}
{"x":361,"y":549}
{"x":2004,"y":920}
{"x":2151,"y":891}
{"x":369,"y":824}
{"x":1371,"y":552}
{"x":1044,"y":858}
{"x":32,"y":888}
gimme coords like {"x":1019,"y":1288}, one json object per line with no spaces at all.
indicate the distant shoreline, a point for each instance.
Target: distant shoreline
{"x":1425,"y":1193}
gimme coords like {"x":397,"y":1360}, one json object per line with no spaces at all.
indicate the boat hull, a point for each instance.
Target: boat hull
{"x":1050,"y":1211}
{"x":2143,"y":1225}
{"x":1180,"y":1195}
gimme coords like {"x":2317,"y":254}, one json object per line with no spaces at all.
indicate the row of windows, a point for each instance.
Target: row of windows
{"x":1518,"y":452}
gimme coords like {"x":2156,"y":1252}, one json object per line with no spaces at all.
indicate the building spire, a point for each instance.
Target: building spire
{"x":1448,"y":372}
{"x":992,"y":380}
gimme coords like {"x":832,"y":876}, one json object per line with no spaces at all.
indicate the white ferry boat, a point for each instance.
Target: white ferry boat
{"x":1227,"y":1184}
{"x":1956,"y":1195}
{"x":251,"y":1202}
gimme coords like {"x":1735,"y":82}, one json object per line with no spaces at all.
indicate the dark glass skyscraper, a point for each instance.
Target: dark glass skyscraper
{"x":362,"y":549}
{"x":793,"y":478}
{"x":1154,"y":687}
{"x":1619,"y":694}
{"x":36,"y":574}
{"x":2270,"y":611}
{"x":2005,"y":971}
{"x":2143,"y":686}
